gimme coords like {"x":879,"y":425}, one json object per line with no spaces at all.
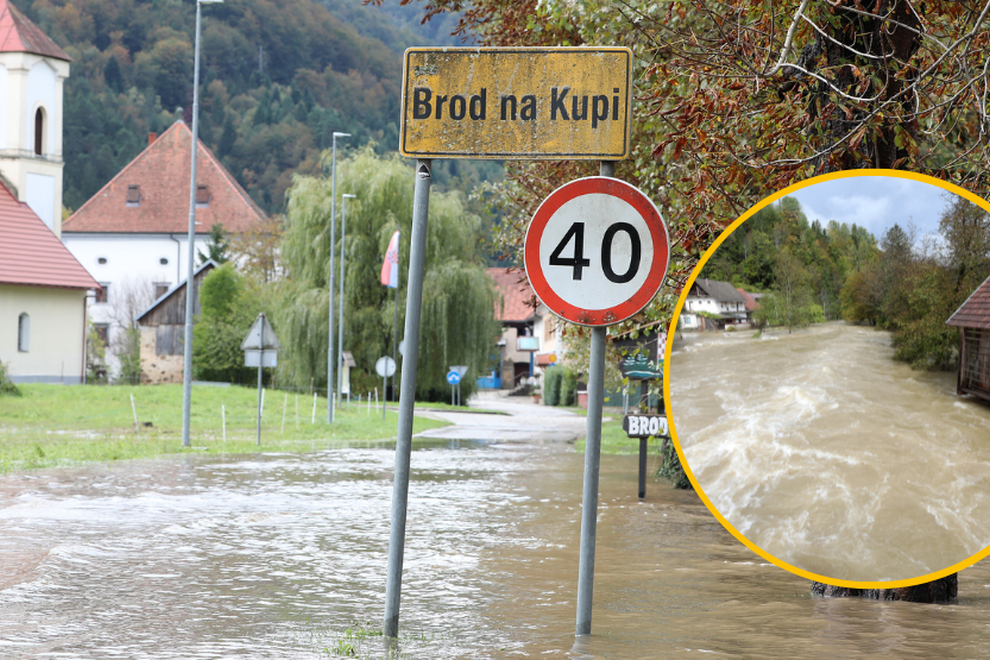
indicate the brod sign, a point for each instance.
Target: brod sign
{"x":532,"y":103}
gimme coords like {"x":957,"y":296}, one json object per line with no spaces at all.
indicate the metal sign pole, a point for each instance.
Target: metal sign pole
{"x":403,"y":447}
{"x":592,"y":465}
{"x":261,"y":362}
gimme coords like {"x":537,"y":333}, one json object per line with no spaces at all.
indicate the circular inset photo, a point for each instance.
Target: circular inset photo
{"x":828,"y":378}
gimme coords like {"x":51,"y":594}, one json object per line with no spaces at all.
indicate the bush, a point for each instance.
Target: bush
{"x":96,"y":358}
{"x":671,"y":468}
{"x":129,"y":354}
{"x":7,"y":387}
{"x":568,"y":386}
{"x":551,"y":385}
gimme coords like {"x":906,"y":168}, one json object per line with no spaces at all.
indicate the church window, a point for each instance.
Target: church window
{"x":39,"y":132}
{"x":23,"y":332}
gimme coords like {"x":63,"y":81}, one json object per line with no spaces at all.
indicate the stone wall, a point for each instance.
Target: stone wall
{"x":156,"y":369}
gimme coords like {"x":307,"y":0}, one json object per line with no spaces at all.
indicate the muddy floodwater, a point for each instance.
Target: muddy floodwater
{"x":830,"y":455}
{"x":284,"y":556}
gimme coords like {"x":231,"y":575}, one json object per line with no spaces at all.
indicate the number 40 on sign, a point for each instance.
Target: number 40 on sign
{"x":596,"y":251}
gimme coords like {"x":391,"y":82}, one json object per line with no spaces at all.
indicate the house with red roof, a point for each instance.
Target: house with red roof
{"x":133,"y":234}
{"x":973,"y":320}
{"x":43,"y":291}
{"x":530,"y":333}
{"x":33,"y":69}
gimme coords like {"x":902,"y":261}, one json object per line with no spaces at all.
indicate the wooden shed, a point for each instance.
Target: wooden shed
{"x":163,"y":328}
{"x":973,"y":320}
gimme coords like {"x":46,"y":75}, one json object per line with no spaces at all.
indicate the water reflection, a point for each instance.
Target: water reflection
{"x":277,"y":556}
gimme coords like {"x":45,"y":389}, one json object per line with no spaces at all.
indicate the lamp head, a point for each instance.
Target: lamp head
{"x":208,"y":2}
{"x":335,"y":133}
{"x":349,"y":196}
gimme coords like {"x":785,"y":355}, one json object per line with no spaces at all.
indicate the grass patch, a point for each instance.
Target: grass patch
{"x":616,"y":441}
{"x":52,"y":425}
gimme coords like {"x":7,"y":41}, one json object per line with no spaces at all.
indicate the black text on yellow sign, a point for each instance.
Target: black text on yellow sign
{"x":548,"y":103}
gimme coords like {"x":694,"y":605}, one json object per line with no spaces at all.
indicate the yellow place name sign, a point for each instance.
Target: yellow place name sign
{"x":531,"y":103}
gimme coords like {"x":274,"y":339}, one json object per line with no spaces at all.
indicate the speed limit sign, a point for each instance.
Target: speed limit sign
{"x":596,"y":251}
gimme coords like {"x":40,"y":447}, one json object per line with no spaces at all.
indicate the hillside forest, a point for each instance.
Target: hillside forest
{"x":900,"y":282}
{"x":277,"y":79}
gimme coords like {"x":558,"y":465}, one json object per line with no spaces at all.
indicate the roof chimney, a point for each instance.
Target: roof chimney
{"x":151,"y":138}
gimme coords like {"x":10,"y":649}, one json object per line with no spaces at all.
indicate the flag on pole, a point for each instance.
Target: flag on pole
{"x":390,"y":269}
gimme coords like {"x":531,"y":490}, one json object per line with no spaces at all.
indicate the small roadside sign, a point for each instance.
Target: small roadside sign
{"x":532,"y":103}
{"x":644,"y":426}
{"x":453,"y":377}
{"x":385,"y":367}
{"x":260,"y":350}
{"x":596,"y":251}
{"x":261,"y":336}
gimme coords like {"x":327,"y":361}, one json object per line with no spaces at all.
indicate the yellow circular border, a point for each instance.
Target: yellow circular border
{"x":853,"y":584}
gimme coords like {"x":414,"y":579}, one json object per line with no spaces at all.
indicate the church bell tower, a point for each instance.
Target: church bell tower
{"x":33,"y":69}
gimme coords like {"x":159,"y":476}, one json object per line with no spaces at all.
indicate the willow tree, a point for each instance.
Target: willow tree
{"x":458,"y":324}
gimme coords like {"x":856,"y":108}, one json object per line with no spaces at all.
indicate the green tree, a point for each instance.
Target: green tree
{"x":896,"y":265}
{"x":228,"y":307}
{"x":217,"y":246}
{"x":459,"y":299}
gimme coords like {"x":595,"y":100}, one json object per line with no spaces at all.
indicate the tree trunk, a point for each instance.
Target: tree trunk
{"x":942,"y":590}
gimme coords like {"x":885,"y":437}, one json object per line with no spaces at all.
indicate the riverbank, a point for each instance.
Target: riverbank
{"x":55,"y":425}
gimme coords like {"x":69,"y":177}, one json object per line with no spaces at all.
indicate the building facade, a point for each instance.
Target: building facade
{"x":33,"y":69}
{"x":712,"y":304}
{"x":43,"y":295}
{"x":133,"y":234}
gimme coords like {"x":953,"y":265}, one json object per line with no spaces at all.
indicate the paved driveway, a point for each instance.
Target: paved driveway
{"x":520,"y":421}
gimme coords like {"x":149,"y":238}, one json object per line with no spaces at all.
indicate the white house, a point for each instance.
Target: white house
{"x":43,"y":292}
{"x":32,"y":71}
{"x":133,"y":234}
{"x":713,"y":297}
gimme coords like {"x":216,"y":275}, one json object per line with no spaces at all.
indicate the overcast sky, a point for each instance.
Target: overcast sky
{"x":874,"y":202}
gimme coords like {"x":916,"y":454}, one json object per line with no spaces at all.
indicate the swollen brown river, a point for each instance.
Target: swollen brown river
{"x":830,"y":455}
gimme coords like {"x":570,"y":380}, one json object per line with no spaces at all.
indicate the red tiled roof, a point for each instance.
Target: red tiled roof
{"x":19,"y":35}
{"x":516,"y":294}
{"x":751,"y":303}
{"x":31,"y":254}
{"x":975,"y":312}
{"x":161,"y":173}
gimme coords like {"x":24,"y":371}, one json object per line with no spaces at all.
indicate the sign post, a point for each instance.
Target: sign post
{"x":260,"y":350}
{"x":384,"y":367}
{"x":507,"y":103}
{"x":596,"y":253}
{"x":644,"y":427}
{"x":454,"y":379}
{"x":407,"y":397}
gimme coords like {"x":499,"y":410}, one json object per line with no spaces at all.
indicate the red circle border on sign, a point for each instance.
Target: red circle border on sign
{"x":658,"y":268}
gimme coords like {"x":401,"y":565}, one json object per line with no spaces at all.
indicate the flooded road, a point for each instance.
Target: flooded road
{"x":283,"y":556}
{"x":830,"y":455}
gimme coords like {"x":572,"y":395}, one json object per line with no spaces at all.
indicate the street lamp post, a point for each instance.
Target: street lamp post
{"x":340,"y":325}
{"x":333,"y":239}
{"x":191,"y":271}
